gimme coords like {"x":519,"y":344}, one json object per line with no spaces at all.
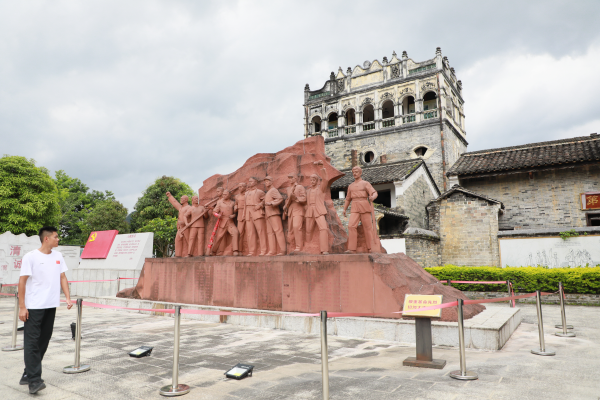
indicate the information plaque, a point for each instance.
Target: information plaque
{"x":416,"y":301}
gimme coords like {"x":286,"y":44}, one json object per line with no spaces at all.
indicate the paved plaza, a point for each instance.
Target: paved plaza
{"x":288,"y":364}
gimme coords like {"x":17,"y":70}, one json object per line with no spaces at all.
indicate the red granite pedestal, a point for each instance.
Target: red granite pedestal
{"x":357,"y":283}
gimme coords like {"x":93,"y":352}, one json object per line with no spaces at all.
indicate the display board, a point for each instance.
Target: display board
{"x":128,"y":251}
{"x":551,"y":252}
{"x":99,"y":244}
{"x":416,"y":301}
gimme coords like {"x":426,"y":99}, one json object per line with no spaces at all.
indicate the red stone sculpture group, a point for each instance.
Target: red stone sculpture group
{"x":254,"y":221}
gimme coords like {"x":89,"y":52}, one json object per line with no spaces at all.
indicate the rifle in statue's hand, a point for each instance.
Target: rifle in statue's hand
{"x":213,"y":201}
{"x":288,"y":202}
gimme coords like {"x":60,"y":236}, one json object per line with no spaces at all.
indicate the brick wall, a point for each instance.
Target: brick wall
{"x":540,"y":199}
{"x":468,"y":230}
{"x":425,"y":250}
{"x":396,"y":144}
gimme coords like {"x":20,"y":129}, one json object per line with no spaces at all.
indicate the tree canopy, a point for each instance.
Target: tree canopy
{"x":154,"y":204}
{"x":29,"y":198}
{"x":154,"y":213}
{"x":106,"y":215}
{"x":76,"y":201}
{"x":164,"y":230}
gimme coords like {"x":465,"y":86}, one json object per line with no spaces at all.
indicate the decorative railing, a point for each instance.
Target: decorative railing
{"x":332,"y":132}
{"x":318,"y":95}
{"x":350,"y":129}
{"x":369,"y":126}
{"x":408,"y":118}
{"x":421,"y":69}
{"x":430,"y":114}
{"x":388,"y":122}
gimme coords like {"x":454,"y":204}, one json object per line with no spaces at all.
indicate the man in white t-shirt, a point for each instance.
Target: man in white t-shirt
{"x":42,"y":276}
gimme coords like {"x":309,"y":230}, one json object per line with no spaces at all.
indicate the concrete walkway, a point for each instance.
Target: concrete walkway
{"x":288,"y":363}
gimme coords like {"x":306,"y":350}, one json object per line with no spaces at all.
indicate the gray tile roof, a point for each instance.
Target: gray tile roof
{"x":458,"y":188}
{"x":380,"y":173}
{"x":532,"y":155}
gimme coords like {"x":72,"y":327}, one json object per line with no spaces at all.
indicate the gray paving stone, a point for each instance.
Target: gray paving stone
{"x":287,"y":364}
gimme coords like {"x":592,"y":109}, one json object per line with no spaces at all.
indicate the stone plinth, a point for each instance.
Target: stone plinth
{"x":357,"y":283}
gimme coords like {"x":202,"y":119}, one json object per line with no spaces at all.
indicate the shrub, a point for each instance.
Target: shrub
{"x":582,"y":280}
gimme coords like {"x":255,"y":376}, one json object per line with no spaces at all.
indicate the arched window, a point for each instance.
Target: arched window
{"x":429,"y":101}
{"x":369,"y":157}
{"x":350,"y":117}
{"x":387,"y":110}
{"x":420,"y":151}
{"x":316,"y":124}
{"x":408,"y":105}
{"x":333,"y":121}
{"x":368,"y":113}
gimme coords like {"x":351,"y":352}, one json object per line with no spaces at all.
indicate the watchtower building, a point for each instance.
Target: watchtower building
{"x":390,"y":111}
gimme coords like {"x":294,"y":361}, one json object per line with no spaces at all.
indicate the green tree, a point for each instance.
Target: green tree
{"x":164,"y":230}
{"x":75,"y":201}
{"x":29,"y":198}
{"x":154,"y":204}
{"x":106,"y":215}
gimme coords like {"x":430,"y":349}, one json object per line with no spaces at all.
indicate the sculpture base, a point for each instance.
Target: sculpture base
{"x":355,"y":283}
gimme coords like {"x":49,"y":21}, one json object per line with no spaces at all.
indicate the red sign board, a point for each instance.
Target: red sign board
{"x":98,"y":244}
{"x":590,"y":201}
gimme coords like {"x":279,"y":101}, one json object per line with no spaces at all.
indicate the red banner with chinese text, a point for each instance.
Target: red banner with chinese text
{"x":98,"y":244}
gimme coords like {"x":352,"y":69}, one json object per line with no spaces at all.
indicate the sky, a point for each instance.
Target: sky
{"x":119,"y":93}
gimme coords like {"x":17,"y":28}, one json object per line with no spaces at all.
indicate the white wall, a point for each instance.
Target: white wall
{"x":394,"y":245}
{"x":552,"y":252}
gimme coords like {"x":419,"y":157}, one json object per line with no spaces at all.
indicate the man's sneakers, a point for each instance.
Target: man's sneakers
{"x":36,"y":387}
{"x":25,"y":381}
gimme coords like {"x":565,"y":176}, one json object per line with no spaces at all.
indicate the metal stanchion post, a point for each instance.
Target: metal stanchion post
{"x":1,"y":322}
{"x":510,"y":304}
{"x":542,"y":351}
{"x":324,"y":356}
{"x":176,"y":388}
{"x":462,"y":374}
{"x":118,"y":284}
{"x":77,"y":367}
{"x":564,"y":326}
{"x":13,"y":345}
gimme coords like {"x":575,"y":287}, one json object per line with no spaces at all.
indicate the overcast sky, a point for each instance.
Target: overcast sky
{"x":118,"y":93}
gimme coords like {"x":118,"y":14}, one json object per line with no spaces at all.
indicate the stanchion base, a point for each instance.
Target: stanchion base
{"x":560,"y":326}
{"x":468,"y":376}
{"x":71,"y":369}
{"x":171,"y":391}
{"x":10,"y":348}
{"x":547,"y":352}
{"x":562,"y":334}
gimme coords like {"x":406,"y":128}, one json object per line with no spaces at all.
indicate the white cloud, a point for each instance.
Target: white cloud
{"x":514,"y":99}
{"x":119,"y":93}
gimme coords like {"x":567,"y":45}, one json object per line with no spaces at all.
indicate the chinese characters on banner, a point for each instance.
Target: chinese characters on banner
{"x":590,"y":201}
{"x":416,"y":301}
